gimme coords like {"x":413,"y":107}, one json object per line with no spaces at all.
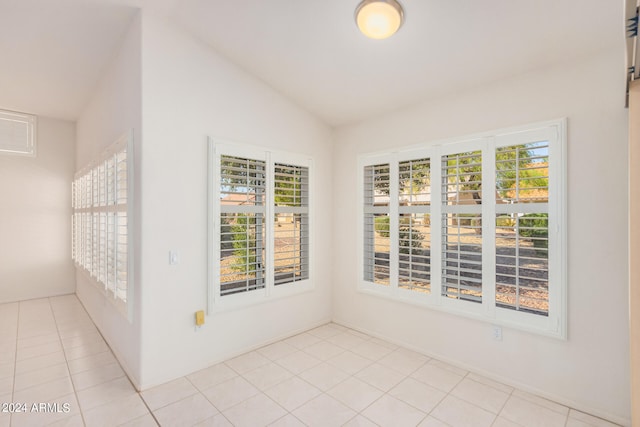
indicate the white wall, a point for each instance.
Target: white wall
{"x":35,"y":216}
{"x":189,"y":93}
{"x":634,"y":245}
{"x":115,"y":108}
{"x":590,"y":370}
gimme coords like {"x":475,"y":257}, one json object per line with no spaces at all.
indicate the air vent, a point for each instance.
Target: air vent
{"x":17,"y":133}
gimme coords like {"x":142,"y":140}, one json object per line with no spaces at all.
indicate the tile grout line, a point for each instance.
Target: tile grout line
{"x":503,"y":405}
{"x":73,"y":386}
{"x":448,"y":393}
{"x":384,"y":393}
{"x":325,"y":392}
{"x":108,"y":350}
{"x":198,"y":391}
{"x":322,"y":392}
{"x":466,"y":376}
{"x":387,"y":393}
{"x":263,"y":392}
{"x":139,"y":393}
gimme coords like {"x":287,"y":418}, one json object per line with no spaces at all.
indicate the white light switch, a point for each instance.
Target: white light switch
{"x":174,"y":257}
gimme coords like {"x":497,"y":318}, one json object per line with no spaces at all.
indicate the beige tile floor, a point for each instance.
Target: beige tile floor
{"x":51,"y":352}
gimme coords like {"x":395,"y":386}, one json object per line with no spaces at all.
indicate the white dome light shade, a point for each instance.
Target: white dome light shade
{"x":379,"y":19}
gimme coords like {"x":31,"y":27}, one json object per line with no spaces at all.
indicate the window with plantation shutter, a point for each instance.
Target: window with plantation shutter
{"x":100,"y":223}
{"x":522,"y":227}
{"x":475,"y":226}
{"x":242,"y":226}
{"x":377,"y":233}
{"x":17,"y":133}
{"x":260,"y":224}
{"x":414,"y":225}
{"x":462,"y":226}
{"x":291,"y":223}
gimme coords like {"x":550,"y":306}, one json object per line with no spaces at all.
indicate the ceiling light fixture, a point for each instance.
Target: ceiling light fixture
{"x":379,"y":19}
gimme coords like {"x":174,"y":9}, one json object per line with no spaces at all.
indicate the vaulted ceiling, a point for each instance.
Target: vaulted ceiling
{"x":54,"y":51}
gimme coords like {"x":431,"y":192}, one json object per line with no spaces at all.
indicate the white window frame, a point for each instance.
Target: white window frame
{"x":555,"y":324}
{"x":90,"y":247}
{"x":31,"y":123}
{"x":216,"y":302}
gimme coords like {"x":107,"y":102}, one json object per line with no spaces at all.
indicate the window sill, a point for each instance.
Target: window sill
{"x":242,"y":300}
{"x":526,"y":322}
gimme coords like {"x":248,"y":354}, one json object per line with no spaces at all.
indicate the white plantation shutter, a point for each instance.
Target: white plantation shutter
{"x":101,"y":230}
{"x":414,"y":225}
{"x":260,"y":218}
{"x":291,"y":223}
{"x":242,"y":224}
{"x":462,"y":226}
{"x":73,"y":220}
{"x":17,"y":133}
{"x":110,"y":184}
{"x":489,"y":211}
{"x":522,"y":227}
{"x":121,"y":254}
{"x":377,"y":231}
{"x":120,"y":159}
{"x":122,"y":229}
{"x":95,"y":245}
{"x":111,"y":250}
{"x":88,"y":243}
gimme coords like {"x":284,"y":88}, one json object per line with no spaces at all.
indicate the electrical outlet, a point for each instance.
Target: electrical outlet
{"x":496,"y":332}
{"x":199,"y":318}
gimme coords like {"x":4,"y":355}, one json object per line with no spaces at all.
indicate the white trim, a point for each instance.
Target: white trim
{"x":489,"y":227}
{"x":215,"y":301}
{"x":394,"y":224}
{"x":555,"y":323}
{"x":269,"y":221}
{"x":213,"y":194}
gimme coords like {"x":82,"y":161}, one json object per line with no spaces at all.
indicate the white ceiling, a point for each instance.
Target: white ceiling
{"x":309,"y":50}
{"x":53,"y":52}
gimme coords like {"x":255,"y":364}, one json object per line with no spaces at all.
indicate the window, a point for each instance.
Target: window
{"x":291,"y":223}
{"x":462,"y":226}
{"x":260,"y":224}
{"x":242,"y":227}
{"x":474,"y":226}
{"x":414,"y":223}
{"x":17,"y":133}
{"x":100,"y":222}
{"x":522,"y":227}
{"x":376,"y":219}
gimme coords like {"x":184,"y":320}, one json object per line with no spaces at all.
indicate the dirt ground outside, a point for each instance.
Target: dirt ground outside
{"x":531,"y":292}
{"x":288,"y":251}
